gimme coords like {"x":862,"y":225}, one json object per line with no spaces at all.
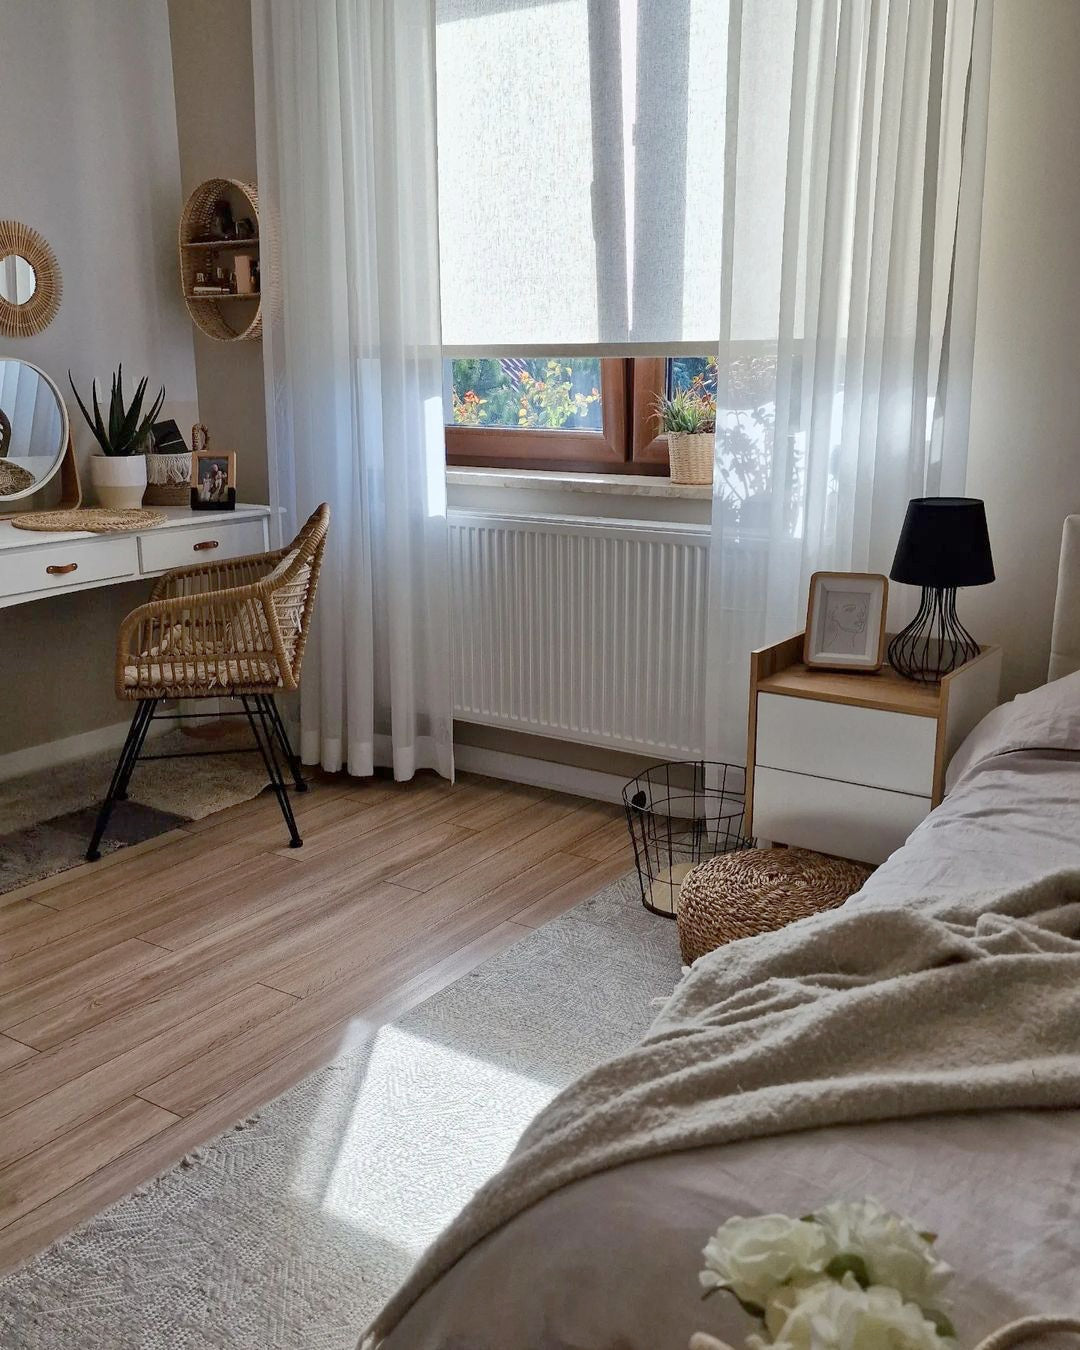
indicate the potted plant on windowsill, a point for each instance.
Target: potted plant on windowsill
{"x":688,"y":417}
{"x":119,"y":472}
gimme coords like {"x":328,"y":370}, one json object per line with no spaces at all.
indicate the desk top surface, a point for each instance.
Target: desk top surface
{"x":11,"y":537}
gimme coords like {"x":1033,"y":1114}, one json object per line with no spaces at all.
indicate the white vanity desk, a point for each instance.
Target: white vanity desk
{"x":34,"y":565}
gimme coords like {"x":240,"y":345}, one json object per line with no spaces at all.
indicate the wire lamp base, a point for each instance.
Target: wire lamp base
{"x":935,"y":641}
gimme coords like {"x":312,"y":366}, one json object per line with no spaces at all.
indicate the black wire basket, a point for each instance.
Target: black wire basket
{"x":679,"y":814}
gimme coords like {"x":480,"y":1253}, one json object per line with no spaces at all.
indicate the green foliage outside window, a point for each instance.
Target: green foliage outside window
{"x":533,"y":393}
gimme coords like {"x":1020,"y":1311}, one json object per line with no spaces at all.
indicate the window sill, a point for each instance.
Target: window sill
{"x":626,"y":485}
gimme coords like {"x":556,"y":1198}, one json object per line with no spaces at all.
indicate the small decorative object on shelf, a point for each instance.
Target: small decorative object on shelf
{"x":213,"y":480}
{"x":678,"y":814}
{"x":845,"y":621}
{"x":219,"y":260}
{"x":688,"y":416}
{"x":944,"y":544}
{"x":119,"y":472}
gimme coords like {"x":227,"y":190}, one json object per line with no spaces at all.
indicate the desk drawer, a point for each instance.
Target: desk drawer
{"x":62,"y":566}
{"x":838,"y":740}
{"x":846,"y":819}
{"x":161,"y":550}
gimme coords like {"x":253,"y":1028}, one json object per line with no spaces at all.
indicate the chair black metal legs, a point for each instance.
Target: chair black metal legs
{"x":125,"y":765}
{"x":268,"y":729}
{"x":291,"y":757}
{"x":262,"y":722}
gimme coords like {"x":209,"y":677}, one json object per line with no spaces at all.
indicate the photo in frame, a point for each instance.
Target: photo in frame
{"x":213,"y":480}
{"x":845,"y":621}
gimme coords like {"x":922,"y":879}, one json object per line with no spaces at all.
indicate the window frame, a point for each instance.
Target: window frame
{"x":629,"y":441}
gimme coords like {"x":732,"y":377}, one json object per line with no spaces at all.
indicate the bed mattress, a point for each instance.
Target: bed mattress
{"x":611,"y":1262}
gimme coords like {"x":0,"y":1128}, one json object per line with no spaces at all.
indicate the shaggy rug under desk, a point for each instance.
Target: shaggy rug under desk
{"x":46,"y":817}
{"x":289,"y":1231}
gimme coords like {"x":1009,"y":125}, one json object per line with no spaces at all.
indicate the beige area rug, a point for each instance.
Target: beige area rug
{"x":191,"y":788}
{"x":46,"y":817}
{"x":290,"y":1231}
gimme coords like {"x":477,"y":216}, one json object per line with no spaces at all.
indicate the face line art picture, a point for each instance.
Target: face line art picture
{"x":846,"y":614}
{"x":845,"y":620}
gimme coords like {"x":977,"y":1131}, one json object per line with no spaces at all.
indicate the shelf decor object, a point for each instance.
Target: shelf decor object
{"x":30,"y":281}
{"x":944,"y":544}
{"x":227,"y":315}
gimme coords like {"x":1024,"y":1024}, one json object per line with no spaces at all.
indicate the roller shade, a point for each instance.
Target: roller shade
{"x":580,"y":148}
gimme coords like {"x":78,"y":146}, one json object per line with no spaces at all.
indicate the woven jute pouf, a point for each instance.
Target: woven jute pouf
{"x":756,"y":890}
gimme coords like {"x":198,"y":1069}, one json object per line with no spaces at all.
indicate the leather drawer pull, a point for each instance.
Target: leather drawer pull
{"x":205,"y":544}
{"x":61,"y":570}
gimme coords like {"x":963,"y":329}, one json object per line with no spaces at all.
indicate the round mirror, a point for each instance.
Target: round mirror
{"x":30,"y":281}
{"x":33,"y":429}
{"x":18,"y":280}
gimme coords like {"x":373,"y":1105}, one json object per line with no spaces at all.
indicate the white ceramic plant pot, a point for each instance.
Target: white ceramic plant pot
{"x":119,"y":480}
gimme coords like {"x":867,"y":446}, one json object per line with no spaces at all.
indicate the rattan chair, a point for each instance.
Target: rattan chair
{"x":233,"y":629}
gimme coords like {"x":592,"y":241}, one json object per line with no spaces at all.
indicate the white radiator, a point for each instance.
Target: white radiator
{"x":586,"y":630}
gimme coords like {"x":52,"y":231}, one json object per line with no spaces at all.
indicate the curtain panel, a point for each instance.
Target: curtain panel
{"x":345,"y":119}
{"x":853,"y":156}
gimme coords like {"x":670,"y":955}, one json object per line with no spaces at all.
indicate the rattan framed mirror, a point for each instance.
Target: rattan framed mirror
{"x":30,"y":281}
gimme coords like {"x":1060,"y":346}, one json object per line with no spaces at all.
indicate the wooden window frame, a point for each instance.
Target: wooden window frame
{"x":628,"y":443}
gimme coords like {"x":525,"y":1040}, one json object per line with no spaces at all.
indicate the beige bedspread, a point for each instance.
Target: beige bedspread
{"x":875,"y":1012}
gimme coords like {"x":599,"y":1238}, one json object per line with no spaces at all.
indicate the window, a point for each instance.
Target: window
{"x":572,"y":413}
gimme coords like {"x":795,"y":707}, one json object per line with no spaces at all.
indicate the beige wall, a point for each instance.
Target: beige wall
{"x":215,"y":116}
{"x":1025,"y":430}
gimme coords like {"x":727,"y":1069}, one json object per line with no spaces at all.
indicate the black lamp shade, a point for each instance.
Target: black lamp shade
{"x":944,"y":543}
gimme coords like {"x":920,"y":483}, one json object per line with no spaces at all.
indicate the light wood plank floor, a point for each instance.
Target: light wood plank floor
{"x":152,"y":999}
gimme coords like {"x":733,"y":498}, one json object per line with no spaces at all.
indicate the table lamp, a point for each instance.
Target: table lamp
{"x":943,"y":544}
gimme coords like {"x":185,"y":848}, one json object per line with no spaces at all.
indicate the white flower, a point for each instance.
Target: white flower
{"x":831,"y":1315}
{"x":895,"y":1253}
{"x":753,"y":1257}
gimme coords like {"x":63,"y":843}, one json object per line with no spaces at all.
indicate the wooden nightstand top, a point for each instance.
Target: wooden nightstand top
{"x":883,"y":689}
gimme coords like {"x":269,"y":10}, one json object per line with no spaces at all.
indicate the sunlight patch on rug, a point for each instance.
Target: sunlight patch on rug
{"x":388,"y":1158}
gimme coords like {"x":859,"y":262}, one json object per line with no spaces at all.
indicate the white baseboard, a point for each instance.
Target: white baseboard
{"x":542,"y":773}
{"x":53,"y":753}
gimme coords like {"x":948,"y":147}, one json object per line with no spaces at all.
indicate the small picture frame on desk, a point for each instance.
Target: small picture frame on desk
{"x":213,"y":480}
{"x":845,"y":621}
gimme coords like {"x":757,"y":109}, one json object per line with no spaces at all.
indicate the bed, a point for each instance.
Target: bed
{"x":610,"y":1261}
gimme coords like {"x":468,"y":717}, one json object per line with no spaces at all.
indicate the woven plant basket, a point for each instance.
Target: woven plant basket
{"x":758,"y":890}
{"x":161,"y":494}
{"x":691,"y":457}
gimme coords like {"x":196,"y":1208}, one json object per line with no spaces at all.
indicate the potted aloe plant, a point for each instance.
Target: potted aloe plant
{"x":688,"y":416}
{"x":119,"y":472}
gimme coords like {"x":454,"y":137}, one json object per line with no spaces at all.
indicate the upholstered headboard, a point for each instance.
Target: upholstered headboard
{"x":1065,"y":640}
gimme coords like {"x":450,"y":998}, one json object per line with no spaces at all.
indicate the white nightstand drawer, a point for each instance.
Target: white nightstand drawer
{"x":207,"y":543}
{"x":63,"y":566}
{"x":840,"y":741}
{"x":847,"y":819}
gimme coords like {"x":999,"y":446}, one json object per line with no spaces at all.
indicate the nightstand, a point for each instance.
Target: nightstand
{"x":849,"y":763}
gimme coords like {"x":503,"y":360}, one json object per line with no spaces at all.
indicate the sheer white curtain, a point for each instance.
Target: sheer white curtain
{"x":853,"y":164}
{"x":345,"y":110}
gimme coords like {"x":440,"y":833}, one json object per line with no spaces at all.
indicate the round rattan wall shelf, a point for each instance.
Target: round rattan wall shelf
{"x":229,"y":316}
{"x":39,"y":309}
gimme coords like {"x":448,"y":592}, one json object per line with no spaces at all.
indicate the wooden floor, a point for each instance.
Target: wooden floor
{"x":152,"y":999}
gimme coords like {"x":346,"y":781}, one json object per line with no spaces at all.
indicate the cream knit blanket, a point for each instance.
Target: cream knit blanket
{"x":870,"y":1012}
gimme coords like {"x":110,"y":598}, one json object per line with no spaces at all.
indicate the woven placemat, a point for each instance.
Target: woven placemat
{"x":96,"y":519}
